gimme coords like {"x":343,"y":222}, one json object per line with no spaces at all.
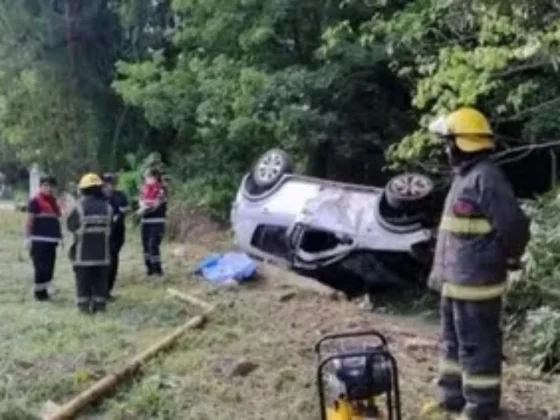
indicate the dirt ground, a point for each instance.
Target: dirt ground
{"x":253,"y":360}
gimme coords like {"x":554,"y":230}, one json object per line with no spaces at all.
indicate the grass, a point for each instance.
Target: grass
{"x":51,"y":352}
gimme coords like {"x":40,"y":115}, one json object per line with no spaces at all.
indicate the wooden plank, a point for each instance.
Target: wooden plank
{"x":107,"y":384}
{"x":190,"y":299}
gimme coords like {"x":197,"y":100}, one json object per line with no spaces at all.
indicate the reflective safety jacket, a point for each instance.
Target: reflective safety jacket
{"x":91,"y":222}
{"x":481,"y":230}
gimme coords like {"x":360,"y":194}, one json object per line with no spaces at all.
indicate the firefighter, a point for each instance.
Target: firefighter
{"x":119,"y":203}
{"x":483,"y":232}
{"x":90,"y":222}
{"x":153,"y":210}
{"x":43,"y":235}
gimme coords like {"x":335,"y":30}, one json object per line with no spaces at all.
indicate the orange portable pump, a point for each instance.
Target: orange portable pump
{"x":352,"y":384}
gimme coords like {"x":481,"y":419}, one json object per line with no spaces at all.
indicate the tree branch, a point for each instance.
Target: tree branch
{"x":530,"y":110}
{"x":521,"y":68}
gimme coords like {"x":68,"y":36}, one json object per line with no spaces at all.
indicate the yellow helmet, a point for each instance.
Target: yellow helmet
{"x":469,"y":127}
{"x":90,"y":180}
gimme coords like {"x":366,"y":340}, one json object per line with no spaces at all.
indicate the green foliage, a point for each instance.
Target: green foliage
{"x":56,"y":105}
{"x":131,"y":178}
{"x":150,"y":399}
{"x":212,"y":194}
{"x":542,"y":256}
{"x":542,"y":339}
{"x":502,"y":59}
{"x":250,"y":76}
{"x":210,"y":85}
{"x":533,"y":300}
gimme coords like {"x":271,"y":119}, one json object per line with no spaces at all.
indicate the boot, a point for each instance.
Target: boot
{"x":149,"y":269}
{"x":98,"y":307}
{"x":41,"y":295}
{"x":157,"y":270}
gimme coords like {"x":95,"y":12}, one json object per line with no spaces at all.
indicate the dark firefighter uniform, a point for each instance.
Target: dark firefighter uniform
{"x":43,"y":236}
{"x":119,"y":204}
{"x":90,"y":222}
{"x":482,"y":230}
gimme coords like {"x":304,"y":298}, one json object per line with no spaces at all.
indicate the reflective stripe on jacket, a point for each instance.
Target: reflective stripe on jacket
{"x":482,"y":227}
{"x":91,"y":224}
{"x":45,"y":222}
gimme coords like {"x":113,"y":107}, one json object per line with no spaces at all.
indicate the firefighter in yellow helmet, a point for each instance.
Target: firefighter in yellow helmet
{"x":482,"y":231}
{"x":91,"y":222}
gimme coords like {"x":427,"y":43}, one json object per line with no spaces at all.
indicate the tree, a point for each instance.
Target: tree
{"x":498,"y":56}
{"x":56,"y":65}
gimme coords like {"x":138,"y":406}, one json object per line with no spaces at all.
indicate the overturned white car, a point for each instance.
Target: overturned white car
{"x":354,"y":238}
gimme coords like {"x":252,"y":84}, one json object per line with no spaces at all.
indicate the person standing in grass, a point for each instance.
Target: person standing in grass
{"x":43,"y":235}
{"x":153,"y":211}
{"x":119,"y":203}
{"x":91,"y":222}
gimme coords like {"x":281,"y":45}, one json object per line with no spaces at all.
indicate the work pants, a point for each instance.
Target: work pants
{"x":471,"y":358}
{"x":117,"y":242}
{"x":91,"y":288}
{"x":152,"y":235}
{"x":43,"y":255}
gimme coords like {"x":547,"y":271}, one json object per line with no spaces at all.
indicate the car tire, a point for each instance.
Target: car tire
{"x":409,"y":193}
{"x":270,"y":167}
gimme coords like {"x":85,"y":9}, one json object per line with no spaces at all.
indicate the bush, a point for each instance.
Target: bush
{"x":542,"y":338}
{"x":532,"y":304}
{"x":199,"y":200}
{"x":540,"y":283}
{"x":213,"y":194}
{"x":131,"y":179}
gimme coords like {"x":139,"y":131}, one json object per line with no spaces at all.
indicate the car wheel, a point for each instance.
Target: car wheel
{"x":409,"y":192}
{"x":270,"y":167}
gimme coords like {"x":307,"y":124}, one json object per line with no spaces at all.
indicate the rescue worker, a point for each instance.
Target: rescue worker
{"x":483,"y":230}
{"x":43,"y":235}
{"x":119,"y":203}
{"x":90,"y":222}
{"x":153,"y":211}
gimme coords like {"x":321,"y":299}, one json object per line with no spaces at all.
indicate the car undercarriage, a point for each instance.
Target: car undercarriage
{"x":357,"y":239}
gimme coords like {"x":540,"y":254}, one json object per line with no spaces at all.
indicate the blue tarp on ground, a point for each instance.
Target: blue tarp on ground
{"x":222,"y":268}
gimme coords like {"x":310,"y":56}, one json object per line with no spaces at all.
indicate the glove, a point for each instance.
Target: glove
{"x":27,"y":243}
